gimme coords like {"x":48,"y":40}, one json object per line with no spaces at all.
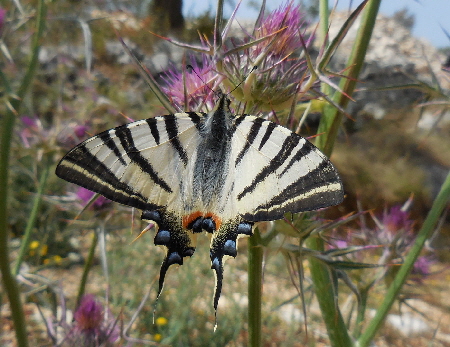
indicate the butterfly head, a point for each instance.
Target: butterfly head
{"x":223,"y":102}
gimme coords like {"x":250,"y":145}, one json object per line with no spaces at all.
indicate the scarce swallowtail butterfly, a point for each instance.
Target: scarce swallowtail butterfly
{"x":214,"y":172}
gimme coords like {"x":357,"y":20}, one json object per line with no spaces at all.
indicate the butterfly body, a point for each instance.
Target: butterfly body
{"x":193,"y":172}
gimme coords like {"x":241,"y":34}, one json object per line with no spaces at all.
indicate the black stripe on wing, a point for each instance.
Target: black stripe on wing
{"x":108,"y":141}
{"x":172,"y":130}
{"x":320,"y":188}
{"x":288,"y":145}
{"x":253,"y":133}
{"x":197,"y":119}
{"x":126,"y":139}
{"x":301,"y":153}
{"x":153,"y":125}
{"x":267,"y":134}
{"x":98,"y":178}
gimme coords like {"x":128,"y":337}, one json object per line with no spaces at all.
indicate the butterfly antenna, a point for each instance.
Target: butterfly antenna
{"x":253,"y":69}
{"x":189,"y":67}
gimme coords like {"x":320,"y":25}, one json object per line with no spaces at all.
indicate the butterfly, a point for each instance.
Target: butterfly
{"x":215,"y":172}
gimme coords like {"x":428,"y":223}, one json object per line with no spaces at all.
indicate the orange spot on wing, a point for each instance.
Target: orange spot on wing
{"x":190,"y":218}
{"x":187,"y":220}
{"x":217,"y":220}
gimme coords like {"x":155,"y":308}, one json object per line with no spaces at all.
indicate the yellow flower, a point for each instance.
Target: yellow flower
{"x":157,"y":337}
{"x":57,"y":259}
{"x":44,"y":250}
{"x":160,"y":321}
{"x":34,"y":244}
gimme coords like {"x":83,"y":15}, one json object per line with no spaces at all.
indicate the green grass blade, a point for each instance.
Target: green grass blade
{"x":87,"y":268}
{"x":32,"y":219}
{"x":9,"y":281}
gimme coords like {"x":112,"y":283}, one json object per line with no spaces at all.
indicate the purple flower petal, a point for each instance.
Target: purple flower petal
{"x":89,"y":315}
{"x":200,"y":97}
{"x":85,"y":195}
{"x":2,"y":18}
{"x":29,"y":121}
{"x":80,"y":130}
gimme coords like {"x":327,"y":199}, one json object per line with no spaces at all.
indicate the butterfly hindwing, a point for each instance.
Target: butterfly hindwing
{"x":278,"y":171}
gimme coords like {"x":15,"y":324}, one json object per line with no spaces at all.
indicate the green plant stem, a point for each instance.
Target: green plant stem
{"x":255,"y":259}
{"x":331,"y":121}
{"x":361,"y":313}
{"x":9,"y":282}
{"x":323,"y":32}
{"x":324,"y":13}
{"x":329,"y":125}
{"x":31,"y":221}
{"x":324,"y":288}
{"x":87,"y":269}
{"x":425,"y":232}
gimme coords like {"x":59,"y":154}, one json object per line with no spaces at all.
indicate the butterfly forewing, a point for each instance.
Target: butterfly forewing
{"x":141,"y":164}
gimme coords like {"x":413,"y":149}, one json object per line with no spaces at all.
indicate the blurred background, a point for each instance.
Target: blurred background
{"x":393,"y":152}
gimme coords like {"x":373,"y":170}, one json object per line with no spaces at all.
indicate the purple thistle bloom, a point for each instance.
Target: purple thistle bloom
{"x":72,"y":134}
{"x":89,"y":315}
{"x":422,"y":266}
{"x":395,"y":228}
{"x":2,"y":19}
{"x":280,"y":72}
{"x":33,"y":132}
{"x":31,"y":122}
{"x":80,"y":130}
{"x":287,"y":19}
{"x":273,"y":86}
{"x":422,"y":269}
{"x":93,"y":327}
{"x":199,"y":91}
{"x":85,"y":195}
{"x":397,"y":219}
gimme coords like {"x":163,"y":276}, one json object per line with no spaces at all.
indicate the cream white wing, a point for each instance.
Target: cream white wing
{"x":141,"y":164}
{"x":277,"y":171}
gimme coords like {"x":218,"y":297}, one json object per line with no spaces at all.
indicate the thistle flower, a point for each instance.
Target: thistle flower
{"x":197,"y":89}
{"x":33,"y":131}
{"x":72,"y":134}
{"x":2,"y":19}
{"x":395,"y":230}
{"x":397,"y":219}
{"x":422,"y":266}
{"x":86,"y":195}
{"x":92,"y":326}
{"x":80,"y":130}
{"x":286,"y":18}
{"x":280,"y":73}
{"x":89,"y":316}
{"x":274,"y":48}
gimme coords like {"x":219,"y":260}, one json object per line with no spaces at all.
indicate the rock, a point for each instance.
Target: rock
{"x":394,"y":58}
